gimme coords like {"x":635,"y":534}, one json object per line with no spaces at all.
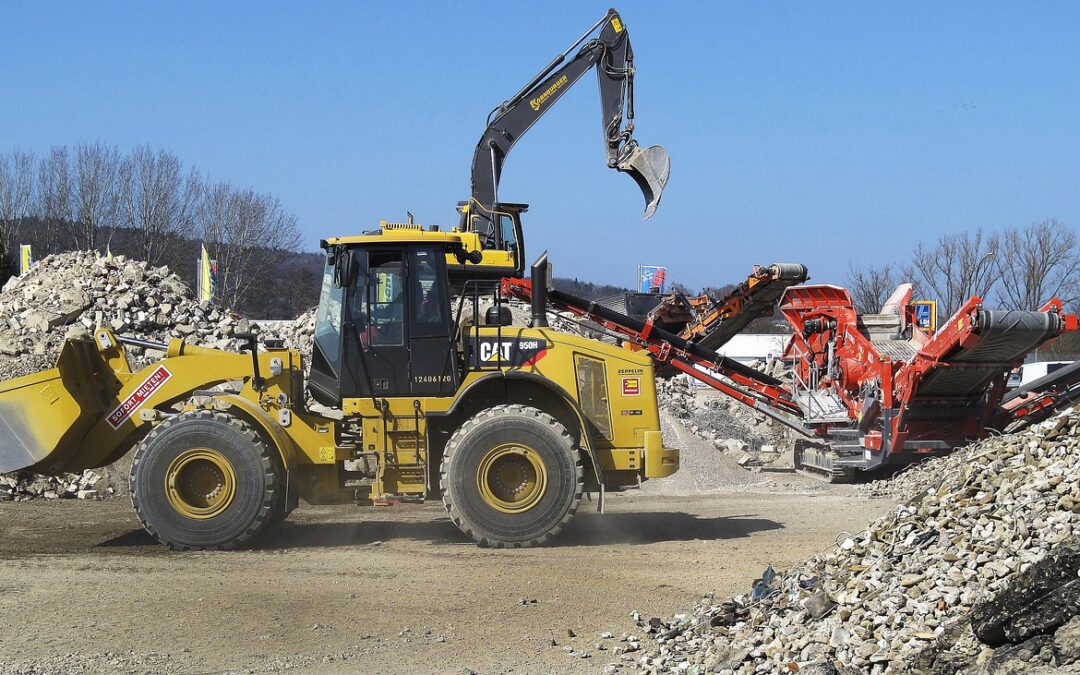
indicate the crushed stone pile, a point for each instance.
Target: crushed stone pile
{"x":750,"y":437}
{"x":300,"y":334}
{"x":987,"y":536}
{"x":23,"y":485}
{"x":67,"y":295}
{"x":912,"y":479}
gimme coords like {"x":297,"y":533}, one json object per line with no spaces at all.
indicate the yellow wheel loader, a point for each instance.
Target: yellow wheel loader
{"x":509,"y":425}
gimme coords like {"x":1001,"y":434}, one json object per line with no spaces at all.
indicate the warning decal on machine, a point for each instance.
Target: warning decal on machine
{"x":631,"y":386}
{"x":136,"y":399}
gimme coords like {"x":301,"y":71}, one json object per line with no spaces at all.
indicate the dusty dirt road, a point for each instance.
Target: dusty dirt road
{"x":398,"y":589}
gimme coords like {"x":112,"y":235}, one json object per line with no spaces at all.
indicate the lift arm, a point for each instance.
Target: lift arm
{"x":610,"y":52}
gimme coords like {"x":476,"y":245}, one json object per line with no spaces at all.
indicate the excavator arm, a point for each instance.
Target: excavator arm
{"x":610,"y":53}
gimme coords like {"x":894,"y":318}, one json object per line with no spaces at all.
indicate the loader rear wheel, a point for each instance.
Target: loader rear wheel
{"x":205,"y":480}
{"x":511,"y":477}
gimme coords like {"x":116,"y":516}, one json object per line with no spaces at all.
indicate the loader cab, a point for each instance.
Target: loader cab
{"x":384,"y":325}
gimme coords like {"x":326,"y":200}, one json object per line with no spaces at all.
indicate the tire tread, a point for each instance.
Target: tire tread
{"x":270,"y":495}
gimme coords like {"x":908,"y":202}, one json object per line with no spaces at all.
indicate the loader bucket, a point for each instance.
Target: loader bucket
{"x":649,"y":167}
{"x":44,"y":416}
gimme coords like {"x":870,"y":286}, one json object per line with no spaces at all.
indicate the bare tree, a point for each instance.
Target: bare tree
{"x":871,"y":286}
{"x":56,"y":188}
{"x":246,"y":233}
{"x":96,"y":195}
{"x":158,"y":202}
{"x":16,"y":197}
{"x":717,"y":292}
{"x":1038,"y":262}
{"x":955,"y":268}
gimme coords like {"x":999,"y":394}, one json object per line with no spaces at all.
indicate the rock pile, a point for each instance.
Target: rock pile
{"x":750,"y":437}
{"x":68,"y":294}
{"x":300,"y":333}
{"x":23,"y":485}
{"x":899,"y":595}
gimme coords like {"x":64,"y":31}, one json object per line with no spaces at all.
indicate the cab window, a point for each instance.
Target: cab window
{"x":506,"y":225}
{"x":430,"y":306}
{"x":384,"y":297}
{"x":328,"y":319}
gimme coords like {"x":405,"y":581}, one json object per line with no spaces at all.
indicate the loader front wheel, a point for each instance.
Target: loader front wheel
{"x":511,"y":477}
{"x":205,"y":480}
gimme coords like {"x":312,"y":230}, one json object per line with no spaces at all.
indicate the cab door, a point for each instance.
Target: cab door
{"x":432,"y":362}
{"x":397,"y":338}
{"x":375,"y":345}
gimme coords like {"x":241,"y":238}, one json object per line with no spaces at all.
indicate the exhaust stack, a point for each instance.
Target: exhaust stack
{"x":541,"y":277}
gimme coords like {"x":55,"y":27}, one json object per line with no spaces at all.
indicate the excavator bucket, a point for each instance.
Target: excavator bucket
{"x":649,"y":167}
{"x":44,"y":416}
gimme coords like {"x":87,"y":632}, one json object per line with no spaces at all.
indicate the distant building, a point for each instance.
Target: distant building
{"x":747,"y":347}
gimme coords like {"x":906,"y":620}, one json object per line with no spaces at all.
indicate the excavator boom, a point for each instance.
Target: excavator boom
{"x":610,"y":53}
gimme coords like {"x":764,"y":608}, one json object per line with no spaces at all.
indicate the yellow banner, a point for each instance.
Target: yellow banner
{"x":26,"y":259}
{"x":207,"y":276}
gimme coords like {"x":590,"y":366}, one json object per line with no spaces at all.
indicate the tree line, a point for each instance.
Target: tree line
{"x":146,"y":204}
{"x":1017,"y":268}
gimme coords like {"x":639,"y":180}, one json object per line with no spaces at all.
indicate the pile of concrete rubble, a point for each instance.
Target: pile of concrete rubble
{"x":23,"y":485}
{"x":977,"y":571}
{"x":67,"y":296}
{"x":732,"y":427}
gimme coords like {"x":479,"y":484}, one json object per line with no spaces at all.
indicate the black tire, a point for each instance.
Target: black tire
{"x":472,"y":443}
{"x":257,"y":482}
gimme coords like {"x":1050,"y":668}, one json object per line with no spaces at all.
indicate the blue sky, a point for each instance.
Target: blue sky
{"x":819,"y":133}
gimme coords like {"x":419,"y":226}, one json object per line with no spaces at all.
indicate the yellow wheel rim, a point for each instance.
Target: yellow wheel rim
{"x":200,"y":483}
{"x":511,"y":478}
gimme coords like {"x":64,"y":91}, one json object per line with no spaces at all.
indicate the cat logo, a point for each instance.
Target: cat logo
{"x":508,"y":352}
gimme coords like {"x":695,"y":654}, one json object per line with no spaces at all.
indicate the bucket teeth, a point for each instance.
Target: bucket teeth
{"x":649,"y":167}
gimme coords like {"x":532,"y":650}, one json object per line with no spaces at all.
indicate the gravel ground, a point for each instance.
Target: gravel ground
{"x":396,"y":589}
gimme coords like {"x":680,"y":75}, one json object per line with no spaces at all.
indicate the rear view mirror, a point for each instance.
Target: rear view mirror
{"x":344,"y":267}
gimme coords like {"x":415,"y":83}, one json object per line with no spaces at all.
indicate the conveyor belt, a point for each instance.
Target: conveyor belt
{"x":762,"y":300}
{"x":1004,"y":337}
{"x":636,"y":325}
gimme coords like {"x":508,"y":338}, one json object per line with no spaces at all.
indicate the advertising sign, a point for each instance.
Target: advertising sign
{"x":651,"y":278}
{"x":926,"y":316}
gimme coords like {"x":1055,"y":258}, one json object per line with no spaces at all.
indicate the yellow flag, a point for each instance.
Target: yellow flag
{"x":26,"y":259}
{"x":207,"y":276}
